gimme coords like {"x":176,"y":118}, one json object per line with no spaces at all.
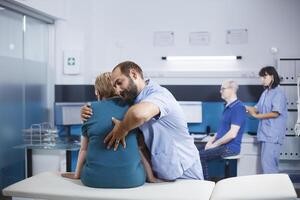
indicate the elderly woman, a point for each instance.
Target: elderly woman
{"x":98,"y":166}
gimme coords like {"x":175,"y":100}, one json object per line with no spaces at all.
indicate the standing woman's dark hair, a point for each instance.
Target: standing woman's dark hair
{"x":270,"y":70}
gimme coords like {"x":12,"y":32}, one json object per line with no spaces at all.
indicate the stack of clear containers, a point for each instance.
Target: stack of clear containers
{"x":40,"y":134}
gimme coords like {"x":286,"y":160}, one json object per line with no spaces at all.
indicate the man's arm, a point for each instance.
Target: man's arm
{"x":230,"y":135}
{"x":136,"y":115}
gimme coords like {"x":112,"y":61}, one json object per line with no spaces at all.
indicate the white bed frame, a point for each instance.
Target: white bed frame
{"x":51,"y":186}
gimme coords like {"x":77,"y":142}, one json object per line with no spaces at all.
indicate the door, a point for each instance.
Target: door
{"x":23,"y":85}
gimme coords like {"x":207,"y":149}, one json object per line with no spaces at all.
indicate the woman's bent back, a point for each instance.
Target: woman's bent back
{"x":106,"y":168}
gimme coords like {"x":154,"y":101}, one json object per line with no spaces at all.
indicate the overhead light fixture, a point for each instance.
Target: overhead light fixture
{"x":195,"y":58}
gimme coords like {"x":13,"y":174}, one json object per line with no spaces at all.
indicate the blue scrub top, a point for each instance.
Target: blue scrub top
{"x":106,"y":168}
{"x":167,"y":137}
{"x":273,"y":129}
{"x":233,"y":114}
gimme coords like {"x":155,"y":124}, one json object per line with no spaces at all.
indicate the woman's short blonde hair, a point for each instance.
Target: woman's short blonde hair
{"x":103,"y":86}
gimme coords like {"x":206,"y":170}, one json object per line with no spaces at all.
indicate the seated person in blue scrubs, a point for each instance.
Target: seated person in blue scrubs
{"x":98,"y":166}
{"x":227,"y":140}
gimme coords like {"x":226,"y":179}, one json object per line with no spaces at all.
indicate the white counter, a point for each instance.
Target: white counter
{"x":249,"y":163}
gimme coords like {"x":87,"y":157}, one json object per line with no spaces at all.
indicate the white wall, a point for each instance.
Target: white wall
{"x":54,"y":8}
{"x":75,"y":33}
{"x":108,"y":32}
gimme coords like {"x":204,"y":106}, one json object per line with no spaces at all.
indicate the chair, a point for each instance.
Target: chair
{"x":227,"y":164}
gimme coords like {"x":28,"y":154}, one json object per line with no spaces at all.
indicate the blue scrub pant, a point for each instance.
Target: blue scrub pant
{"x":270,"y":157}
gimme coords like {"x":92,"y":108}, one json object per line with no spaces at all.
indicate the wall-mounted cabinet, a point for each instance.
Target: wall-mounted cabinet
{"x":291,"y":96}
{"x":289,"y":70}
{"x":292,"y":119}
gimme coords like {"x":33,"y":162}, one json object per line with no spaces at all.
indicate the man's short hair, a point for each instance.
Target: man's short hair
{"x":232,"y":84}
{"x":126,"y":66}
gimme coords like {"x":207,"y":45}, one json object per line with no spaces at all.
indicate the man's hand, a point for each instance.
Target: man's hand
{"x":116,"y":136}
{"x":210,"y":142}
{"x":70,"y":175}
{"x":86,"y":112}
{"x":210,"y":146}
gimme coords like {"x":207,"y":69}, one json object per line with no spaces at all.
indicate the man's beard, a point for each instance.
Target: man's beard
{"x":130,"y":93}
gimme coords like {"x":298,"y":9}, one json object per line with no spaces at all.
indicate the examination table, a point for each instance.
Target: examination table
{"x":50,"y":185}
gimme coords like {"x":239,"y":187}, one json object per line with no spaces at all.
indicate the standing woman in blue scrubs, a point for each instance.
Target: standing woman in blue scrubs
{"x":271,"y":111}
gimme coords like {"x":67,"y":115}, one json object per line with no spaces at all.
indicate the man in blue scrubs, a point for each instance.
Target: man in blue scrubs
{"x":161,"y":119}
{"x":227,"y":140}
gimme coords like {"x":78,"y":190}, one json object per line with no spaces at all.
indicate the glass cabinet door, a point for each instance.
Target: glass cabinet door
{"x":23,"y":85}
{"x":11,"y":97}
{"x":35,"y":63}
